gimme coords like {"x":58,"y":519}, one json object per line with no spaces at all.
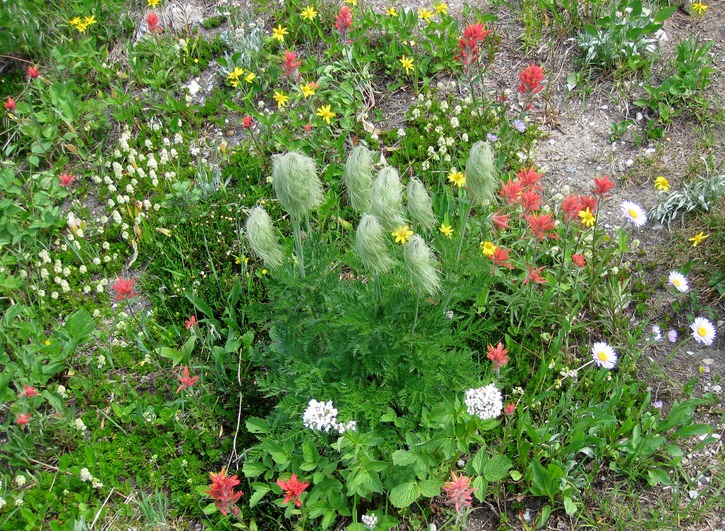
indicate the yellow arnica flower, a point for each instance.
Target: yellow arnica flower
{"x":308,"y":89}
{"x":587,"y":218}
{"x":425,"y":14}
{"x":662,"y":184}
{"x":279,"y":32}
{"x":447,"y":230}
{"x":407,"y":63}
{"x":351,"y":2}
{"x":325,"y":112}
{"x":402,"y":234}
{"x":457,"y":178}
{"x":308,"y":13}
{"x":488,"y":248}
{"x":76,"y":23}
{"x":697,"y":238}
{"x":87,"y":21}
{"x":392,"y":12}
{"x":250,"y":77}
{"x":699,"y":7}
{"x":233,"y":76}
{"x":441,"y":8}
{"x":281,"y":98}
{"x":152,"y":3}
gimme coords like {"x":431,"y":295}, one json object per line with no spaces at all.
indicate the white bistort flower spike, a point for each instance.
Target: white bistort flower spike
{"x":485,"y":402}
{"x":703,"y":331}
{"x":604,"y":355}
{"x":634,"y":213}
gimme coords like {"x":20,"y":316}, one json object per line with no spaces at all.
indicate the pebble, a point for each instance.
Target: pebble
{"x":639,"y":117}
{"x":629,"y":163}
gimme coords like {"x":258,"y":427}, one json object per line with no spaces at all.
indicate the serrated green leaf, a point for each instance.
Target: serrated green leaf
{"x":430,"y":487}
{"x":260,"y":491}
{"x":496,"y":468}
{"x":404,"y":494}
{"x":257,"y":425}
{"x":404,"y":458}
{"x":252,"y":470}
{"x":479,"y":460}
{"x":480,"y":488}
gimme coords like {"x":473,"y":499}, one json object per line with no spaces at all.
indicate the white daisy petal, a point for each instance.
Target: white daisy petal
{"x":679,"y":281}
{"x":604,"y":355}
{"x":634,"y":213}
{"x":703,"y":331}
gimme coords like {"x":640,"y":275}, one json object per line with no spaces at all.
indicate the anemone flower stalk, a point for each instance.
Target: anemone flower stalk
{"x":258,"y":147}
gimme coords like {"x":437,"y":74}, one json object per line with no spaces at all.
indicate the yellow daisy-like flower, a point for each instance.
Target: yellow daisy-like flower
{"x":447,"y":230}
{"x":587,"y":218}
{"x":234,"y":75}
{"x":407,"y":63}
{"x":425,"y":14}
{"x":308,"y":89}
{"x":88,"y":21}
{"x":279,"y":32}
{"x":76,"y":23}
{"x":457,"y":178}
{"x":351,"y":2}
{"x":308,"y":13}
{"x":325,"y":112}
{"x":281,"y":98}
{"x":152,"y":3}
{"x":697,"y":238}
{"x":488,"y":248}
{"x":402,"y":234}
{"x":250,"y":77}
{"x":699,"y":7}
{"x":391,"y":12}
{"x":441,"y":8}
{"x":662,"y":184}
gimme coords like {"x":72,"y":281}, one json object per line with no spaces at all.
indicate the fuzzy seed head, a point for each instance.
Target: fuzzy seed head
{"x":358,"y":178}
{"x":420,"y":204}
{"x":420,"y":264}
{"x":386,"y":199}
{"x":371,"y":244}
{"x":263,"y":238}
{"x":481,"y":173}
{"x":296,"y":183}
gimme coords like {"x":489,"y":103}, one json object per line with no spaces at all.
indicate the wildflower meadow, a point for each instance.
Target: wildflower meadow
{"x":361,"y":265}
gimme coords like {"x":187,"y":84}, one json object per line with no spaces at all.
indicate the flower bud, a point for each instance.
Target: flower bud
{"x":262,"y":237}
{"x":296,"y":183}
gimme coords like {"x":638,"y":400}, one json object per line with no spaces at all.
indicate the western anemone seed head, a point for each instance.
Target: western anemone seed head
{"x":481,"y":171}
{"x":296,"y":184}
{"x":358,"y":178}
{"x":420,"y":205}
{"x":262,"y":237}
{"x":420,"y":264}
{"x":386,"y":201}
{"x":371,"y":244}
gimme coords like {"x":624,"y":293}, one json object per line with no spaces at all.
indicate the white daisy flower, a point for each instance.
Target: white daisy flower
{"x":679,"y":281}
{"x":604,"y":355}
{"x":634,"y":213}
{"x":703,"y":331}
{"x":672,"y":336}
{"x":656,"y":333}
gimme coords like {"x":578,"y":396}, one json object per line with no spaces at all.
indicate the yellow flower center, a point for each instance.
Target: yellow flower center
{"x":702,"y":331}
{"x":633,"y":213}
{"x":602,"y":355}
{"x":677,"y":282}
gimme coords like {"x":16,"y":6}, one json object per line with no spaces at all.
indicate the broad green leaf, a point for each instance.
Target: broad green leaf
{"x":260,"y":491}
{"x":496,"y":468}
{"x":404,"y":494}
{"x":404,"y":458}
{"x":170,"y":353}
{"x":569,"y":506}
{"x":257,"y":425}
{"x":252,"y":470}
{"x":430,"y":487}
{"x":657,"y":476}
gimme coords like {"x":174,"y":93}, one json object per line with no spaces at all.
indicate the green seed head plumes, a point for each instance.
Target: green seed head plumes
{"x":296,"y":184}
{"x":262,"y":237}
{"x":386,"y":201}
{"x":420,"y":205}
{"x":371,"y":244}
{"x":420,"y":264}
{"x":358,"y":178}
{"x":481,"y":174}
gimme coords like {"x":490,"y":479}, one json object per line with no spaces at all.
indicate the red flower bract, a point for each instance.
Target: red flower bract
{"x":291,"y":65}
{"x":247,"y":122}
{"x":531,"y":79}
{"x":530,"y":200}
{"x":29,"y":392}
{"x":511,"y":191}
{"x":64,"y":179}
{"x":293,"y":488}
{"x":528,"y":177}
{"x":498,"y":355}
{"x":534,"y":276}
{"x":23,"y":419}
{"x":10,"y":104}
{"x":343,"y":21}
{"x":186,"y":380}
{"x":509,"y":409}
{"x":588,"y":202}
{"x":500,"y":257}
{"x":190,"y":322}
{"x":602,"y":186}
{"x":459,"y":491}
{"x":540,"y":225}
{"x":124,"y":288}
{"x":578,"y":260}
{"x":222,"y":491}
{"x":152,"y":21}
{"x":33,"y":72}
{"x":500,"y":220}
{"x":571,"y":207}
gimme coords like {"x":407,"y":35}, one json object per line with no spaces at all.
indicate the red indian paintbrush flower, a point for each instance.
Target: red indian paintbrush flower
{"x":602,"y":186}
{"x":247,"y":122}
{"x":291,"y":65}
{"x":33,"y":72}
{"x":222,"y":492}
{"x":459,"y":491}
{"x":534,"y":276}
{"x":511,"y":191}
{"x":588,"y":202}
{"x":29,"y":392}
{"x":500,"y":257}
{"x":498,"y":355}
{"x":529,"y":178}
{"x":578,"y":260}
{"x":509,"y":409}
{"x":571,"y":207}
{"x":501,"y":221}
{"x":531,"y":79}
{"x":64,"y":179}
{"x":186,"y":380}
{"x":191,"y":322}
{"x":293,"y":488}
{"x":23,"y":419}
{"x":124,"y":288}
{"x":343,"y":21}
{"x":10,"y":104}
{"x":530,"y":200}
{"x":152,"y":21}
{"x":541,"y":225}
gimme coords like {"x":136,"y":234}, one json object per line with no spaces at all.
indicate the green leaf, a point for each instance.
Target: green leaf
{"x":515,"y":475}
{"x":79,"y":326}
{"x":257,"y":425}
{"x":210,"y":509}
{"x":404,"y":494}
{"x":188,"y":347}
{"x":665,"y":13}
{"x":695,"y":429}
{"x":310,"y":453}
{"x":253,"y":470}
{"x":430,"y":487}
{"x":569,"y":506}
{"x":170,"y":353}
{"x":260,"y":491}
{"x":496,"y":468}
{"x":480,"y":488}
{"x":544,"y":516}
{"x":657,"y":476}
{"x":404,"y":458}
{"x":479,"y":461}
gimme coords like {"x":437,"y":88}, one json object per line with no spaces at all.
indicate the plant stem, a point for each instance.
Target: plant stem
{"x":417,"y":307}
{"x":298,"y":245}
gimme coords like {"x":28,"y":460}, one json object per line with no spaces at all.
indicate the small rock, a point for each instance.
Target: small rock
{"x":629,"y":163}
{"x":693,"y":494}
{"x":604,"y":107}
{"x":639,"y":117}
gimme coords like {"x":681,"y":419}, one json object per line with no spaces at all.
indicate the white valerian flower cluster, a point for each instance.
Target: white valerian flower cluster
{"x":485,"y":402}
{"x":322,"y":416}
{"x":369,"y":520}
